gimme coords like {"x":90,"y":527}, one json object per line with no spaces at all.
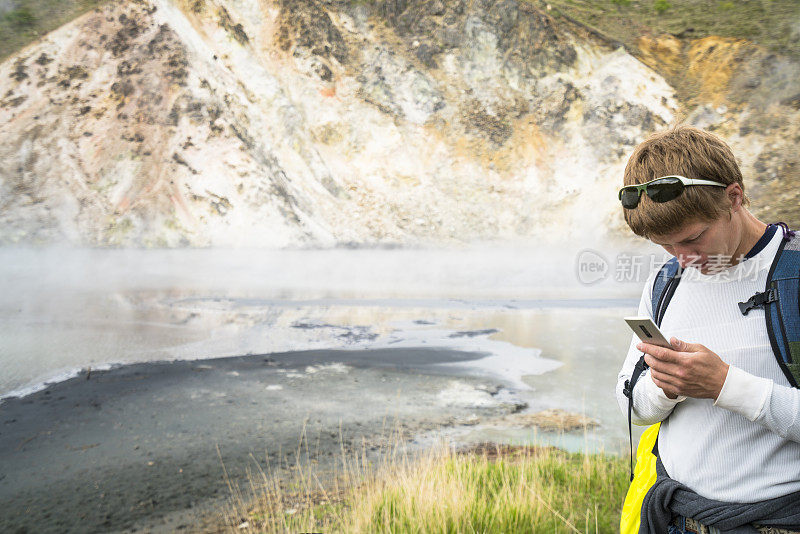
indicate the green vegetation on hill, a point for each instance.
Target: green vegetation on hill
{"x":775,"y":24}
{"x":30,"y":19}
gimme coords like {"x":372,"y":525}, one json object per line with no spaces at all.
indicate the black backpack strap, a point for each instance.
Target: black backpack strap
{"x":628,"y":392}
{"x":664,"y":285}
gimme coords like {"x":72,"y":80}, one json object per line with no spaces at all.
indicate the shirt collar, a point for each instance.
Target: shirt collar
{"x":762,"y":242}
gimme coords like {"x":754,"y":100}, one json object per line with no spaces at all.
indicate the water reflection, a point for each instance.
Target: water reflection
{"x":70,"y":309}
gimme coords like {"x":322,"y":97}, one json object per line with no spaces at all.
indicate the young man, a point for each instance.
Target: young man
{"x":730,"y":420}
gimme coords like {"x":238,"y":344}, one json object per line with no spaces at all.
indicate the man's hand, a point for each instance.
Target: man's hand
{"x":691,"y":370}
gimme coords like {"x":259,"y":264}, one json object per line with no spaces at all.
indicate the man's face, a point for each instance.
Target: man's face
{"x":705,"y":246}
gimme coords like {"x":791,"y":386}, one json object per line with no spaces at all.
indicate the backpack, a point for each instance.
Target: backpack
{"x":781,"y":303}
{"x":645,"y":477}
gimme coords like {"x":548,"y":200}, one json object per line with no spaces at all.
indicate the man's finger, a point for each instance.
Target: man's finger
{"x":663,"y":381}
{"x":662,"y":353}
{"x":662,"y":366}
{"x":683,"y":346}
{"x":648,"y":348}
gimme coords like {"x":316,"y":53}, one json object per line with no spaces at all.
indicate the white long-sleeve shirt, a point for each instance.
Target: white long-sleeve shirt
{"x":745,"y":446}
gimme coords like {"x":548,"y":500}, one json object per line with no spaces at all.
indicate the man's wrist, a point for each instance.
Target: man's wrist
{"x":744,"y":393}
{"x":724,"y":378}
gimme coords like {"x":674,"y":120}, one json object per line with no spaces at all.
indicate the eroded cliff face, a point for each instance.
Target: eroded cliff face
{"x":302,"y":123}
{"x":749,"y":96}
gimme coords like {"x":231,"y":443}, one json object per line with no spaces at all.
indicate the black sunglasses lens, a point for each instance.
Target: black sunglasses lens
{"x":664,"y":190}
{"x":630,"y":198}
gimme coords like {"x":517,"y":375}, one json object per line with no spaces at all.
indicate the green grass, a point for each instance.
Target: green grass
{"x":770,"y":23}
{"x":661,"y":5}
{"x":33,"y":18}
{"x":507,"y":489}
{"x":20,"y":18}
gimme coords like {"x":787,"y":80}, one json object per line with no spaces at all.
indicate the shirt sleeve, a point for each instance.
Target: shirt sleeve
{"x":650,"y":404}
{"x":761,"y":400}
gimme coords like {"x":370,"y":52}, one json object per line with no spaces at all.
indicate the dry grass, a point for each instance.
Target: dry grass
{"x":483,"y":488}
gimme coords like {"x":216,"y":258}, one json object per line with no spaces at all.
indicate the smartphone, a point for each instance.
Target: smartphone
{"x":646,"y":329}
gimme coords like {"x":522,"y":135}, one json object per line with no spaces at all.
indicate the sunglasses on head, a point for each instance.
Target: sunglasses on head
{"x":661,"y":189}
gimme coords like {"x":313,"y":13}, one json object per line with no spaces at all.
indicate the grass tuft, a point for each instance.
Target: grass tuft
{"x":661,"y":5}
{"x":486,"y":488}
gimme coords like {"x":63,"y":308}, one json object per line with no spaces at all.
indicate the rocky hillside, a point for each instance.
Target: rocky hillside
{"x":305,"y":122}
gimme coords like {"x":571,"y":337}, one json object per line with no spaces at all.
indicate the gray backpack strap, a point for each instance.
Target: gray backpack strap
{"x":664,"y":286}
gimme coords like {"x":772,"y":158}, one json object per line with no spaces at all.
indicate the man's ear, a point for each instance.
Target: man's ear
{"x":735,"y":195}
